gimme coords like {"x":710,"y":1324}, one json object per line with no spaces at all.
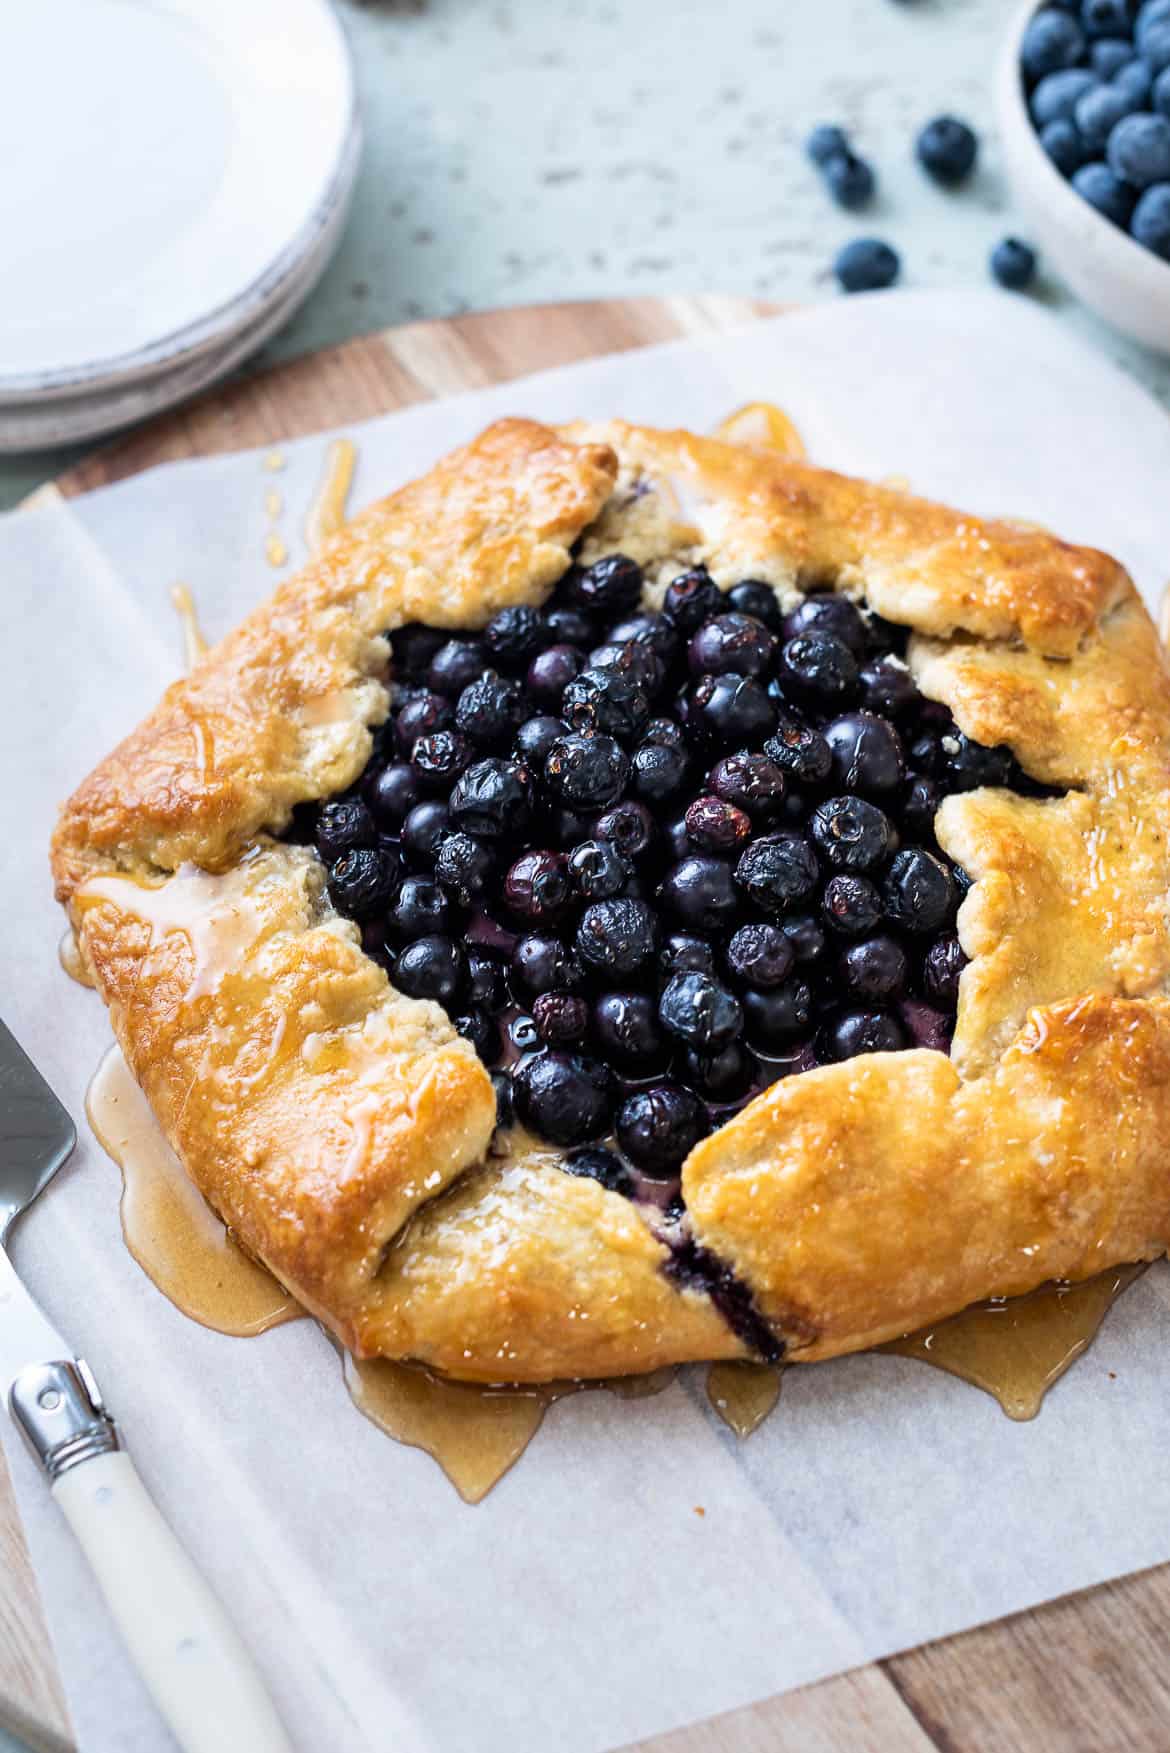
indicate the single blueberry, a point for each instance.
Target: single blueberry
{"x":597,"y":870}
{"x":464,"y":867}
{"x":550,"y":673}
{"x":717,"y":826}
{"x":778,"y":870}
{"x":1013,"y":264}
{"x":828,"y":612}
{"x":491,"y":800}
{"x":482,"y":1030}
{"x":700,"y":894}
{"x":919,"y":891}
{"x":1055,"y":98}
{"x":569,"y":625}
{"x":659,"y":1127}
{"x":421,"y":910}
{"x":342,"y":825}
{"x":542,"y":963}
{"x":800,"y":752}
{"x":941,"y":967}
{"x":864,"y":1031}
{"x":1139,"y":150}
{"x":1064,"y":146}
{"x":1151,"y":220}
{"x":755,"y":784}
{"x":606,"y":700}
{"x":825,"y":140}
{"x":692,"y":598}
{"x":536,"y":737}
{"x":513,"y":636}
{"x":392,"y":793}
{"x":586,"y":771}
{"x":729,"y":710}
{"x":806,"y":934}
{"x":423,"y":831}
{"x":760,"y":955}
{"x":867,"y":754}
{"x":625,"y":1028}
{"x":946,"y":147}
{"x":658,"y":772}
{"x":628,"y":825}
{"x":852,"y":834}
{"x":612,"y":585}
{"x":652,"y":629}
{"x":439,"y":759}
{"x":412,"y":647}
{"x":851,"y":904}
{"x":721,"y":1077}
{"x":887,"y":687}
{"x":537,"y":887}
{"x":561,"y":1018}
{"x":1098,"y":113}
{"x":565,"y":1098}
{"x":867,"y":264}
{"x":1108,"y":55}
{"x":1053,"y":40}
{"x":618,"y":936}
{"x":456,"y":665}
{"x":850,"y":180}
{"x":1150,"y":17}
{"x":431,"y":967}
{"x":700,"y":1011}
{"x":665,"y":731}
{"x":920,"y":803}
{"x":1097,"y":185}
{"x":874,"y":969}
{"x":970,"y":764}
{"x":731,"y":642}
{"x":1155,"y":46}
{"x":753,"y":597}
{"x":773,"y":1020}
{"x":490,"y":711}
{"x":422,"y":713}
{"x":683,"y":954}
{"x":364,"y":882}
{"x":818,"y":669}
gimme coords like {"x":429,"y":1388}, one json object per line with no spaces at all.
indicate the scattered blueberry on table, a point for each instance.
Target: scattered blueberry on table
{"x":866,"y":265}
{"x":1013,"y":264}
{"x":1097,"y":76}
{"x":946,"y":149}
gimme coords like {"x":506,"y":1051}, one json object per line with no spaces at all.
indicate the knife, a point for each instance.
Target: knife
{"x":181,"y":1641}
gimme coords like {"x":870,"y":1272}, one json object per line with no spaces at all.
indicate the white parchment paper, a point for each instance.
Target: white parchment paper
{"x":584,"y":1603}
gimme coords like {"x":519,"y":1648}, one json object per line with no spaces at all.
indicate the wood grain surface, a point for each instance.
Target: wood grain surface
{"x":1087,"y":1672}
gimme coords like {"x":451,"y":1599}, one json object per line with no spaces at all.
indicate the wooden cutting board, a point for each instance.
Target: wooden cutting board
{"x":1088,"y":1672}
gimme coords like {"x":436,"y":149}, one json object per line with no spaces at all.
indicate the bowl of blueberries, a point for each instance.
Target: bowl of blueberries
{"x":1084,"y":112}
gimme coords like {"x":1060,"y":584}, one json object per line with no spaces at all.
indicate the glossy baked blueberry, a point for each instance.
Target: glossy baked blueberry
{"x":542,"y":962}
{"x":774,"y":1019}
{"x":636,"y":661}
{"x":659,"y":772}
{"x":561,"y":1018}
{"x":431,"y":967}
{"x":628,"y":1035}
{"x":863,"y":1031}
{"x":550,"y":673}
{"x":391,"y":794}
{"x":852,"y":834}
{"x":606,"y":700}
{"x":481,"y":1029}
{"x":617,"y":937}
{"x":611,"y":586}
{"x":586,"y":771}
{"x":778,"y":871}
{"x":491,"y":710}
{"x":760,"y":955}
{"x":502,"y":1090}
{"x":456,"y":664}
{"x":692,"y":598}
{"x":800,"y":752}
{"x":362,"y":883}
{"x":421,"y":714}
{"x":700,"y":894}
{"x":439,"y":759}
{"x":513,"y":636}
{"x":722,"y":1077}
{"x":754,"y":597}
{"x":594,"y":1163}
{"x":655,"y":630}
{"x":818,"y":670}
{"x":700,"y":1011}
{"x":667,"y":732}
{"x":970,"y":764}
{"x":423,"y":831}
{"x":659,"y":1127}
{"x":535,"y":738}
{"x":920,"y":802}
{"x":597,"y":870}
{"x":887,"y":687}
{"x":421,"y":909}
{"x":412,"y":647}
{"x":942,"y":965}
{"x":465,"y":867}
{"x":851,"y":904}
{"x":342,"y":826}
{"x":874,"y":970}
{"x":919,"y":891}
{"x":565,"y":1097}
{"x":806,"y":934}
{"x":486,"y":982}
{"x":568,"y":624}
{"x":491,"y":800}
{"x":754,"y":783}
{"x":537,"y":887}
{"x":731,"y":642}
{"x":729,"y":710}
{"x":628,"y":825}
{"x":717,"y":826}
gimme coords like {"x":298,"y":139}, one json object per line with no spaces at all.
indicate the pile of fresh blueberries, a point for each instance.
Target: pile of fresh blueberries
{"x":649,"y":862}
{"x":1097,"y":74}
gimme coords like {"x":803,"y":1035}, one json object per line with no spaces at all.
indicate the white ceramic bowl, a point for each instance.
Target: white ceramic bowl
{"x":1125,"y":284}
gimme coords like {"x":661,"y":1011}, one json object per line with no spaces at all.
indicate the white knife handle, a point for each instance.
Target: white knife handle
{"x":184,"y":1646}
{"x":186,"y":1650}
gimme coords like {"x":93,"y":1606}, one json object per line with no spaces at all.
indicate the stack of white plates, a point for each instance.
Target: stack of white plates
{"x":176,"y":173}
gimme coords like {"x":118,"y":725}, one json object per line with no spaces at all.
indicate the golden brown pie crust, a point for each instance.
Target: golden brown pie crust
{"x":344,"y":1131}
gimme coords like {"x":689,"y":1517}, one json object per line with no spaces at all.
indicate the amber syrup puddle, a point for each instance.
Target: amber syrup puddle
{"x":326,"y":515}
{"x":743,"y":1394}
{"x":1016,"y":1348}
{"x":194,"y":644}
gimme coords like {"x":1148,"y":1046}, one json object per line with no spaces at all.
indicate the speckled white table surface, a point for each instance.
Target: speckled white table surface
{"x":548,"y":149}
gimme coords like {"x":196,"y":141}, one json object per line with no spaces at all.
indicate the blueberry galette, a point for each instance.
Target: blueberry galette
{"x":634,"y":898}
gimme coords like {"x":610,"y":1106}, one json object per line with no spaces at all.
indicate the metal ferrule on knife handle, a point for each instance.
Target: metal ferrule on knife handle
{"x":59,"y":1409}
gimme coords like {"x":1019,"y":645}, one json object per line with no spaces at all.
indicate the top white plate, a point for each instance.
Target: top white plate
{"x":167,"y":162}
